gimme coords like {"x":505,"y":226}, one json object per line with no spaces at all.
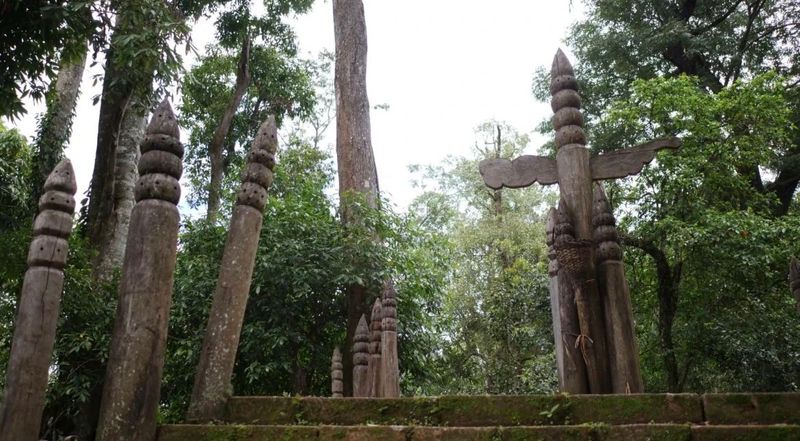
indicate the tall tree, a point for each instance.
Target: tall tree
{"x":141,"y":51}
{"x":720,"y":42}
{"x":358,"y":177}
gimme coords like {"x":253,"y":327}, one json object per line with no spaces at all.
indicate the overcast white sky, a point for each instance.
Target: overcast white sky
{"x":442,"y":66}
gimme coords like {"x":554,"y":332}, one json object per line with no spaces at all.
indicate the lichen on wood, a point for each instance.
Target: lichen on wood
{"x":361,"y":386}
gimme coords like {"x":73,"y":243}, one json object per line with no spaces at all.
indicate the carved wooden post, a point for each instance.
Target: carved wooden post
{"x":361,"y":359}
{"x":37,"y":312}
{"x":337,"y":387}
{"x":794,"y":280}
{"x":136,"y":359}
{"x":574,"y":379}
{"x":623,"y":351}
{"x":574,"y":171}
{"x":374,"y":366}
{"x":390,"y":370}
{"x":552,"y":271}
{"x":212,"y":383}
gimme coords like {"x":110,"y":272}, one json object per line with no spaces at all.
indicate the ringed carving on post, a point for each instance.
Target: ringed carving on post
{"x":337,"y":386}
{"x":23,"y":399}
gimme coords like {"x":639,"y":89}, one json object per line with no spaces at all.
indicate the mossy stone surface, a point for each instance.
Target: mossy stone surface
{"x":752,"y":408}
{"x":592,"y":432}
{"x":468,"y":411}
{"x":746,"y":433}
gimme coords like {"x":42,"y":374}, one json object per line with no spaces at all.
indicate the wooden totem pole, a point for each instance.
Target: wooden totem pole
{"x":212,"y":383}
{"x":374,"y":366}
{"x":361,"y":386}
{"x":390,"y":370}
{"x":136,"y":359}
{"x":37,"y":313}
{"x":337,"y":386}
{"x":574,"y":170}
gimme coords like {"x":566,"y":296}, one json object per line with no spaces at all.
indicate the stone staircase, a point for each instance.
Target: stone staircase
{"x":652,"y":417}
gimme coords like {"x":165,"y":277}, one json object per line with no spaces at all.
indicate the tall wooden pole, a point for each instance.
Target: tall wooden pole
{"x":37,"y":312}
{"x":574,"y":380}
{"x":555,"y":309}
{"x":361,"y":384}
{"x":136,"y":359}
{"x":212,"y":382}
{"x":375,"y":334}
{"x":390,"y":370}
{"x":575,"y":186}
{"x":623,"y":352}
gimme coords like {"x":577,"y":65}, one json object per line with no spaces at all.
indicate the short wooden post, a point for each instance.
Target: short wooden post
{"x":212,"y":382}
{"x":375,"y":334}
{"x":361,"y":359}
{"x":37,"y":312}
{"x":552,"y":271}
{"x":136,"y":359}
{"x":390,"y":369}
{"x":574,"y":370}
{"x":623,"y":352}
{"x":337,"y":386}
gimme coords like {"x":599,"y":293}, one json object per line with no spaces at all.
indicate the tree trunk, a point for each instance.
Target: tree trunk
{"x":56,"y":125}
{"x":669,"y":279}
{"x":124,"y":88}
{"x":218,"y":140}
{"x":356,"y":164}
{"x":112,"y":246}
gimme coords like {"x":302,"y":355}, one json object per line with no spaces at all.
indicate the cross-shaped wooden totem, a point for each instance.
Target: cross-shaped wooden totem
{"x":595,"y":343}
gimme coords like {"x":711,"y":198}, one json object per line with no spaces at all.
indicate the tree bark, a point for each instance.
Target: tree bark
{"x":111,"y":248}
{"x":358,"y":176}
{"x":126,"y":91}
{"x":669,"y":278}
{"x":56,"y":125}
{"x":221,"y":132}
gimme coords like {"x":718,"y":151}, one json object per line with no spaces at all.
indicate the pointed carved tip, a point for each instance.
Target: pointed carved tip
{"x":362,"y":328}
{"x":389,"y":290}
{"x":164,"y":121}
{"x":337,"y":354}
{"x":267,"y":136}
{"x":62,"y":178}
{"x":561,"y":65}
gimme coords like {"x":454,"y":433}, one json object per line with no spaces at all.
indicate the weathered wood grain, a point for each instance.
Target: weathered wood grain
{"x":212,"y":383}
{"x":361,"y":386}
{"x":37,"y":311}
{"x":133,"y":377}
{"x":374,"y":366}
{"x":337,"y":387}
{"x":630,"y":161}
{"x":518,"y":173}
{"x":552,"y":271}
{"x":623,"y":351}
{"x":573,"y":380}
{"x":390,"y":369}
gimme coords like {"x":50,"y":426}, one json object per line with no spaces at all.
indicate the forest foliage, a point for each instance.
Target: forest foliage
{"x":707,"y":230}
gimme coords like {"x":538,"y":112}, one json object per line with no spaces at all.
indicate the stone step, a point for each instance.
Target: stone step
{"x":587,"y":432}
{"x":468,"y":411}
